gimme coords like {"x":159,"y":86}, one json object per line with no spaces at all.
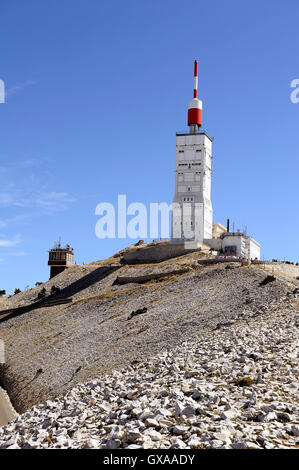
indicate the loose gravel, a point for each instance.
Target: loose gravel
{"x":235,"y":386}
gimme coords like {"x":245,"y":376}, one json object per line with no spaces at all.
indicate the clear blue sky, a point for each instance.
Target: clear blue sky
{"x":95,"y":91}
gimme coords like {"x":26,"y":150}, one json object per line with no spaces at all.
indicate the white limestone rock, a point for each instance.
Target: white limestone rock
{"x":150,"y":422}
{"x":228,"y":414}
{"x":154,"y":435}
{"x":194,"y":442}
{"x":178,"y":444}
{"x":131,"y":435}
{"x":148,"y":407}
{"x":180,"y":429}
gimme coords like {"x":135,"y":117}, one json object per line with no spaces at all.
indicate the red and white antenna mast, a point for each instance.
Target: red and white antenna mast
{"x":195,"y":106}
{"x":195,"y":78}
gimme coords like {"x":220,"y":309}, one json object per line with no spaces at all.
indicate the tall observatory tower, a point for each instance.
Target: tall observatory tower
{"x":192,"y":214}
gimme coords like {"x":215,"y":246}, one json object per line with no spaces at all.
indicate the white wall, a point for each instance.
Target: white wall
{"x":254,"y":249}
{"x":193,"y":183}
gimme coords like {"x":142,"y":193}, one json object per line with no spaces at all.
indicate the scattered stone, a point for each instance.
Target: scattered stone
{"x":284,"y":417}
{"x":219,"y":436}
{"x":194,"y":442}
{"x":228,"y":414}
{"x":132,"y":435}
{"x":188,"y":411}
{"x":155,"y":435}
{"x":239,"y":445}
{"x":178,"y":444}
{"x":216,"y":444}
{"x":113,"y":444}
{"x":104,"y":406}
{"x":152,"y":422}
{"x":180,"y":429}
{"x":185,"y":397}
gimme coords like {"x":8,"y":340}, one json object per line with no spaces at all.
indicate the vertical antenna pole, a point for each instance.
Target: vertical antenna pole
{"x":195,"y":79}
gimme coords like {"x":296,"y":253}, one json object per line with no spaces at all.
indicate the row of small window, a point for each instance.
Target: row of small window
{"x":58,"y":255}
{"x":188,"y":199}
{"x":189,"y":164}
{"x":182,"y":151}
{"x":183,"y":189}
{"x":196,"y":173}
{"x":187,"y":223}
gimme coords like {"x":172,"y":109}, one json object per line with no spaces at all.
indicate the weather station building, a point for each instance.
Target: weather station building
{"x":60,"y":259}
{"x":192,"y":213}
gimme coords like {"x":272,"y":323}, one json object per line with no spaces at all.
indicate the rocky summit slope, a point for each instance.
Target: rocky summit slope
{"x":208,"y":352}
{"x":235,"y":387}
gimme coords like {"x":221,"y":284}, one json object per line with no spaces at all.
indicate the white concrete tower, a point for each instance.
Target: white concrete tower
{"x":192,"y":214}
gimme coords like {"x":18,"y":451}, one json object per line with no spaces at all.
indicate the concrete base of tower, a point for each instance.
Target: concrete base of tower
{"x":191,"y":245}
{"x":157,"y":252}
{"x":188,"y":245}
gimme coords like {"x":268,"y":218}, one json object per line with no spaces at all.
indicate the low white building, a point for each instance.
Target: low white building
{"x":254,"y":249}
{"x":235,"y":244}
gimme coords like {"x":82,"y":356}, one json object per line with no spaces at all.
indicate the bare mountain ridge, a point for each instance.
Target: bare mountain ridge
{"x":109,"y":324}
